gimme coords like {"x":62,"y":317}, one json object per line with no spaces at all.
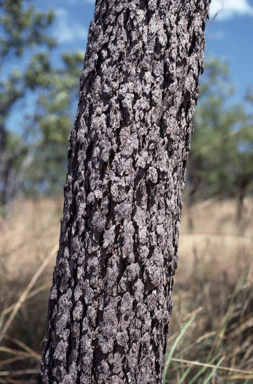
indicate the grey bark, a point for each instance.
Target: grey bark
{"x":110,"y":304}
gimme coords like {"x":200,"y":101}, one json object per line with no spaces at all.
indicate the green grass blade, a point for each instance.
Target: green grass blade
{"x":175,"y":345}
{"x":202,"y":370}
{"x":214,"y":370}
{"x":184,"y":375}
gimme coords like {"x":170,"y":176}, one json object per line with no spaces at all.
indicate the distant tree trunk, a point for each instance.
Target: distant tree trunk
{"x":193,"y":186}
{"x":243,"y":185}
{"x":240,"y":204}
{"x":110,"y":304}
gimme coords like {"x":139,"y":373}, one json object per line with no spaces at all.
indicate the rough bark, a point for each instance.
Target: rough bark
{"x":110,"y":303}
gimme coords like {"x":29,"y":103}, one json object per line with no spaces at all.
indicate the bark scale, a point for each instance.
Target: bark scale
{"x":110,"y":304}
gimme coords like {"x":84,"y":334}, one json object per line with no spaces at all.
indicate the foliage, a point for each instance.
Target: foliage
{"x":33,"y":146}
{"x":221,"y":152}
{"x":23,"y":27}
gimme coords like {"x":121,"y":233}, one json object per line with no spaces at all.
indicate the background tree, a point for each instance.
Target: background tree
{"x":239,"y":165}
{"x":26,"y":145}
{"x":219,"y":162}
{"x":243,"y":160}
{"x":22,"y":27}
{"x":110,"y":303}
{"x":54,"y":116}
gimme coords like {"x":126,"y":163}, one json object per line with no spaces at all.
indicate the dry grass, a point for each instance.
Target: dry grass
{"x":215,"y":275}
{"x":214,"y":280}
{"x":29,"y":241}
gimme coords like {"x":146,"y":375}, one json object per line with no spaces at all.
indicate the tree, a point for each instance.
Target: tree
{"x":213,"y":123}
{"x":26,"y":145}
{"x":51,"y":123}
{"x":22,"y":28}
{"x":110,"y":304}
{"x":243,"y":169}
{"x":221,"y":151}
{"x":242,"y":158}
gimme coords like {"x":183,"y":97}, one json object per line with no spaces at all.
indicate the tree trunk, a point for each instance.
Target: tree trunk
{"x":240,"y":201}
{"x":110,"y":303}
{"x":243,"y":185}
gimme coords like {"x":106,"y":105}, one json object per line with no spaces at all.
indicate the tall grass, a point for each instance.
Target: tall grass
{"x":214,"y":284}
{"x":219,"y":333}
{"x":211,"y":328}
{"x":29,"y":241}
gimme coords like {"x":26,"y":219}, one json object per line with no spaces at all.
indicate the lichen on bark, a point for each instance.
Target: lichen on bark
{"x":110,"y":304}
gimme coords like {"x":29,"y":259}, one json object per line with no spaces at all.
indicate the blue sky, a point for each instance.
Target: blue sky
{"x":230,"y":36}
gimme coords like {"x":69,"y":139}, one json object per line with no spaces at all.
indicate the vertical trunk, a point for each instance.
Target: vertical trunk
{"x":241,"y":197}
{"x":194,"y":182}
{"x":110,"y":303}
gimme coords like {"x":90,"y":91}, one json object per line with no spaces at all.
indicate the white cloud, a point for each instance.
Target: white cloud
{"x":230,"y":8}
{"x":67,"y":30}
